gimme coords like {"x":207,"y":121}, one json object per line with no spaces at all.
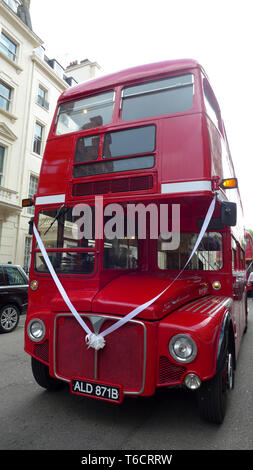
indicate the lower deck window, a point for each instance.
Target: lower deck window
{"x":208,"y":256}
{"x":69,"y":241}
{"x":120,"y":254}
{"x":67,"y":262}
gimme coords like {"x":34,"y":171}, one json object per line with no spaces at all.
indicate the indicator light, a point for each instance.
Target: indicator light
{"x":27,"y":202}
{"x":34,"y":285}
{"x":216,"y":285}
{"x":229,"y":183}
{"x":192,"y":381}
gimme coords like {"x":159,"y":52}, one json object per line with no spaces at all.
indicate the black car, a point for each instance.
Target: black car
{"x":13,"y":296}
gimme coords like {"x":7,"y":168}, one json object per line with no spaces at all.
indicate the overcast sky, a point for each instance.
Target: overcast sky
{"x":120,"y":34}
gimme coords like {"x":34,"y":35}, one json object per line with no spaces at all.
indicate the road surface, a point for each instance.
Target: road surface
{"x":31,"y":418}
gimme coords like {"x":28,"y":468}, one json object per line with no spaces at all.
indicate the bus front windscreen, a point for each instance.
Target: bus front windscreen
{"x":62,"y":234}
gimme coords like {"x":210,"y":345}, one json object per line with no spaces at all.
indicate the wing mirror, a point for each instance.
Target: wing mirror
{"x":228,"y":213}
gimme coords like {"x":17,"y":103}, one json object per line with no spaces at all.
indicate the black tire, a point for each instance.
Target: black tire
{"x":9,"y":318}
{"x":43,"y":378}
{"x":212,"y":395}
{"x":250,"y":293}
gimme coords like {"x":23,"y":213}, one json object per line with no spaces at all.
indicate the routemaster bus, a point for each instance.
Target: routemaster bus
{"x":137,"y":277}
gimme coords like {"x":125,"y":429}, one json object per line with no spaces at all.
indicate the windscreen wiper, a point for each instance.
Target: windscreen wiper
{"x":60,"y":212}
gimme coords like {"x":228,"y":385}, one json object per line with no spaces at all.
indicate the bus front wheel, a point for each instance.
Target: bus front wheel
{"x":213,"y":393}
{"x":43,"y":378}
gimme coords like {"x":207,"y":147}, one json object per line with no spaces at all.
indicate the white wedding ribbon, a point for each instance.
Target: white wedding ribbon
{"x":97,"y":341}
{"x":58,"y":283}
{"x":250,"y":278}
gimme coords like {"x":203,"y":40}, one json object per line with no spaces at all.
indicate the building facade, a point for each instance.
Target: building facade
{"x":85,"y":70}
{"x":30,"y":84}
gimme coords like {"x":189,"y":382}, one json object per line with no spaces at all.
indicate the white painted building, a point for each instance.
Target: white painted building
{"x":30,"y":85}
{"x":85,"y":70}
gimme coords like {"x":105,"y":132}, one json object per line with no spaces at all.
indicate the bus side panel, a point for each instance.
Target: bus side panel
{"x":184,"y":152}
{"x":205,"y":330}
{"x":54,"y":175}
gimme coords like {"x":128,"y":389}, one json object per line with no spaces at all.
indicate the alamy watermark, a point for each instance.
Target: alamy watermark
{"x":129,"y":221}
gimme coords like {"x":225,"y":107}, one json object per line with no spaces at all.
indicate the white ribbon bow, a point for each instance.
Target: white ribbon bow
{"x":95,"y":341}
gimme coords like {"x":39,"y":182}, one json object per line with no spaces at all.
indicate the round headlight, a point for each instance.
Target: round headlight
{"x":183,"y":348}
{"x":36,"y":330}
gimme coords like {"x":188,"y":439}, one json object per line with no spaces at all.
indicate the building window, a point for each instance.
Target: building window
{"x":27,"y":257}
{"x":2,"y":152}
{"x":13,"y":4}
{"x":41,"y":99}
{"x":37,"y":142}
{"x":40,"y":51}
{"x":33,"y":185}
{"x":5,"y":96}
{"x":8,"y":47}
{"x":57,"y":67}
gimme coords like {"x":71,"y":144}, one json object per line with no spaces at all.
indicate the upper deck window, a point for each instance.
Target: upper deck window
{"x":87,"y":149}
{"x":114,"y":166}
{"x":136,"y":144}
{"x":211,"y":105}
{"x":93,"y":111}
{"x":159,"y":97}
{"x":129,"y":142}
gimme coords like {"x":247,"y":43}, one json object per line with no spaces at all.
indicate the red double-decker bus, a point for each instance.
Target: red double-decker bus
{"x":121,"y":316}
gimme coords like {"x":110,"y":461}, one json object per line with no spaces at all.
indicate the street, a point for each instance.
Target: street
{"x":34,"y":419}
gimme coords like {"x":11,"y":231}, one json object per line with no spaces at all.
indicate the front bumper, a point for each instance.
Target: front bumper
{"x":136,"y":356}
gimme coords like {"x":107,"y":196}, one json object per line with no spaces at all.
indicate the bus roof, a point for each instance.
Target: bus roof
{"x":134,"y":73}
